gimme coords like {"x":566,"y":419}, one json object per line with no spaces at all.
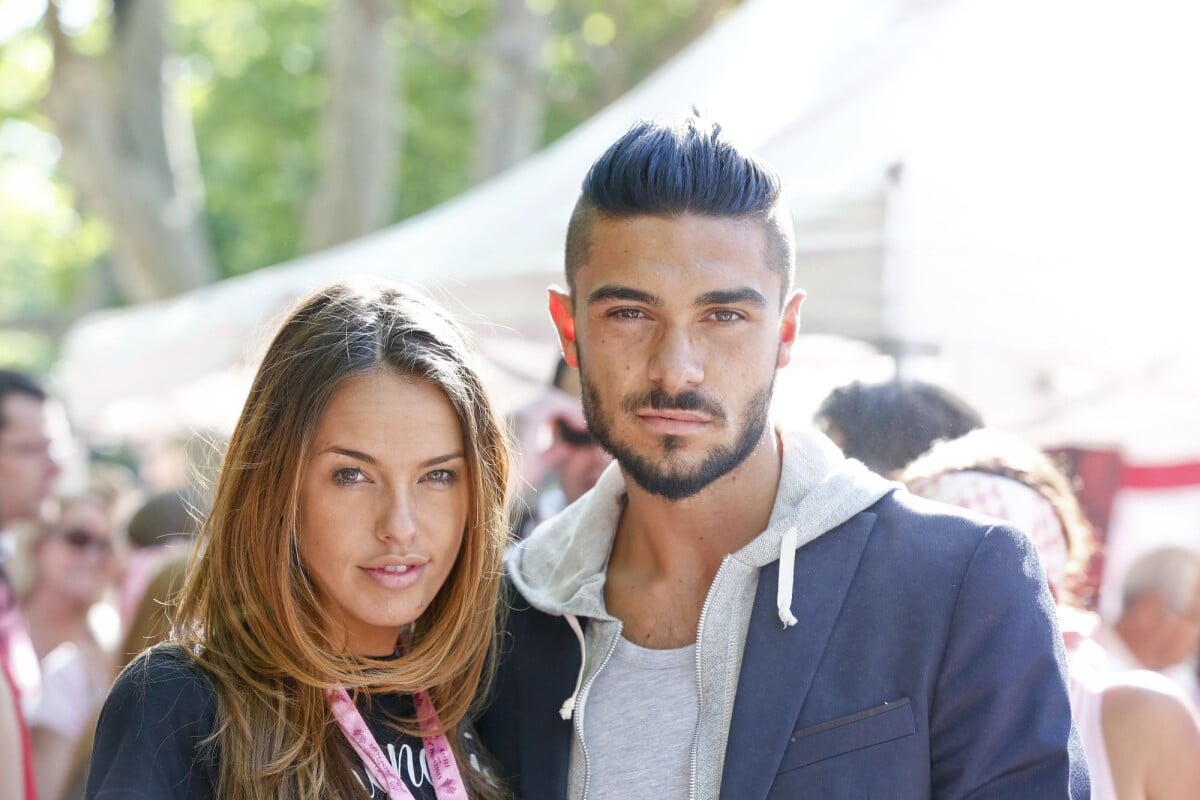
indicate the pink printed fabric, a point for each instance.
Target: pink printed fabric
{"x":448,"y":781}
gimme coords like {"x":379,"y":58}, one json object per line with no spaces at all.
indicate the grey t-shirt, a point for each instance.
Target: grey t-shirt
{"x":641,"y":719}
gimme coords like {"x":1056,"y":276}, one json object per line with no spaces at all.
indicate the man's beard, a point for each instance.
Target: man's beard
{"x":659,"y":476}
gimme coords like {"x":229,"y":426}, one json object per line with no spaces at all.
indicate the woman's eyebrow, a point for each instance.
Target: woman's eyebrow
{"x":431,"y":462}
{"x":361,"y":456}
{"x":346,"y":451}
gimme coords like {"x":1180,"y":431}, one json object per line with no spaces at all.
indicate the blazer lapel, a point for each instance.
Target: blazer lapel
{"x":547,"y":678}
{"x":778,"y":664}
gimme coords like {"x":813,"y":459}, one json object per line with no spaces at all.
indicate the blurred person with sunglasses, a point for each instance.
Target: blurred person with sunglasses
{"x":71,"y":565}
{"x":560,"y":458}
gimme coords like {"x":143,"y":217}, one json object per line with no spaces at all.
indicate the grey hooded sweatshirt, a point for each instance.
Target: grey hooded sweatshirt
{"x":560,"y":570}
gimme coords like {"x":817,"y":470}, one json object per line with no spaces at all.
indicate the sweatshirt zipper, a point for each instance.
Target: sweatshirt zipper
{"x":587,"y":764}
{"x":699,"y":688}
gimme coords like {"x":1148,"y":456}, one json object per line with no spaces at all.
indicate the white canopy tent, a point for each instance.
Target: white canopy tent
{"x":999,"y":189}
{"x":490,"y":253}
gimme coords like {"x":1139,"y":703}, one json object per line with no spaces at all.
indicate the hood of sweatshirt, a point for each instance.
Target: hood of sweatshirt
{"x":560,"y":567}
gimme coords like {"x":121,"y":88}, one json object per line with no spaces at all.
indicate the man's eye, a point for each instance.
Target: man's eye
{"x":726,"y":315}
{"x":627,"y":313}
{"x":347,"y":476}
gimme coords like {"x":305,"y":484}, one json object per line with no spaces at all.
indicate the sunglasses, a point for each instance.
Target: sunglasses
{"x":82,"y":540}
{"x":573,"y":436}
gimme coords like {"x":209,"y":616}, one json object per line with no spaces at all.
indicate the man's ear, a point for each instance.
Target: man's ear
{"x":562,"y":311}
{"x":789,"y":327}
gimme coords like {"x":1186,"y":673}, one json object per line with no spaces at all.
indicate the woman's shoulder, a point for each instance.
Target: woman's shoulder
{"x":165,"y":668}
{"x":164,"y":688}
{"x":154,"y":733}
{"x":1152,"y":732}
{"x":1145,"y":699}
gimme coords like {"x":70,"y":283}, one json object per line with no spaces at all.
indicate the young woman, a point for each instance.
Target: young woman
{"x":337,"y":618}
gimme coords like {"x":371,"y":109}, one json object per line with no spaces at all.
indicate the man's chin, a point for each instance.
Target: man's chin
{"x":675,"y":483}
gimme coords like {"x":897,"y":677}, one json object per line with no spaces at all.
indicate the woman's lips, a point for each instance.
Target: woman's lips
{"x":395,"y":576}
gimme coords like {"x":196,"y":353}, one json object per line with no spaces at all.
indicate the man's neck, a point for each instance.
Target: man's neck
{"x":666,"y":554}
{"x":721,"y":519}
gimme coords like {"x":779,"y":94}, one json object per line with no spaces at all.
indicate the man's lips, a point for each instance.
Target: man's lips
{"x":672,"y":421}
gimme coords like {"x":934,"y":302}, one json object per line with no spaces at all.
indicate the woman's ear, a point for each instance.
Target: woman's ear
{"x":563,"y":314}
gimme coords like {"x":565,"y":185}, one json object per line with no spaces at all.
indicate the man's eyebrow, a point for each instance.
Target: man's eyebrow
{"x":606,"y":293}
{"x":722,"y":297}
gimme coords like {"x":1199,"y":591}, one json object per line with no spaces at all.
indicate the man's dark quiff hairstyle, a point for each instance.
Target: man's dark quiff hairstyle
{"x":669,"y":168}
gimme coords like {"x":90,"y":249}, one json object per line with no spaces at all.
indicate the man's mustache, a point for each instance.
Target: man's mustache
{"x":659,"y":400}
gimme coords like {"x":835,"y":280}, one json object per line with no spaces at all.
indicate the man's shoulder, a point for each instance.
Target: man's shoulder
{"x":521,"y":615}
{"x":919,"y":537}
{"x":931,"y":524}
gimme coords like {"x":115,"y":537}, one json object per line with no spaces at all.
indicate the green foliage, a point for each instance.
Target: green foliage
{"x":48,"y":249}
{"x":437,"y":74}
{"x":600,"y":48}
{"x":254,"y":80}
{"x":25,"y":62}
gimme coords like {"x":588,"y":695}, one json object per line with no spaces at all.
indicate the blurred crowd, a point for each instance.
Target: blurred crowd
{"x":87,"y":572}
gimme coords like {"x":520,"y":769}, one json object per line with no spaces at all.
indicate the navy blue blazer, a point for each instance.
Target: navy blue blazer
{"x":927,"y":663}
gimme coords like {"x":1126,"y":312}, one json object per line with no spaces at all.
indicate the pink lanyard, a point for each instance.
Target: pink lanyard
{"x":447,"y":781}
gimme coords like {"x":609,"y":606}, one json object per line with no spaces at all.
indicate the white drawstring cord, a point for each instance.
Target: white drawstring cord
{"x":787,"y":570}
{"x":568,"y":706}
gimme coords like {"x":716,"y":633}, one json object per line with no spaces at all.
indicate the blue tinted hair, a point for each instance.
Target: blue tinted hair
{"x":665,"y":169}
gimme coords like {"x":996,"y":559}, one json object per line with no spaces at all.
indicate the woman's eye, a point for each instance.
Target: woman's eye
{"x":442,"y":477}
{"x":348,"y":476}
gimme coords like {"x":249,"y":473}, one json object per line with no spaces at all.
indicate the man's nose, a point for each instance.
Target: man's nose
{"x":677,"y":363}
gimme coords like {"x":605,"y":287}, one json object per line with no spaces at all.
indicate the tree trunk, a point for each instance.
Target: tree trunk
{"x":127,"y":145}
{"x":511,"y":100}
{"x":360,"y":132}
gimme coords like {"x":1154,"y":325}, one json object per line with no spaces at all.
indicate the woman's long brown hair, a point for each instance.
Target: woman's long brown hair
{"x":249,"y":614}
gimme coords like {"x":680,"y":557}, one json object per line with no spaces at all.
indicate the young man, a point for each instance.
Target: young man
{"x":27,"y":471}
{"x":740,"y":612}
